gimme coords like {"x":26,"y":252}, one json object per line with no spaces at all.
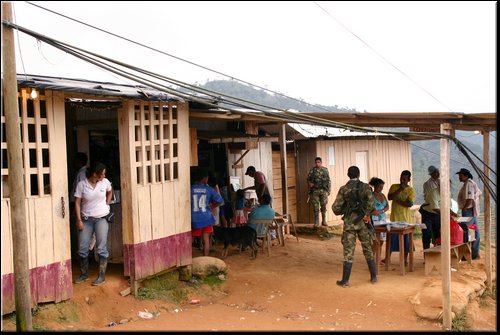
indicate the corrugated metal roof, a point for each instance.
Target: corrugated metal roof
{"x":94,"y":88}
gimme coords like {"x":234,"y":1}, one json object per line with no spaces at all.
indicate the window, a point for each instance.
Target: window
{"x":156,"y":142}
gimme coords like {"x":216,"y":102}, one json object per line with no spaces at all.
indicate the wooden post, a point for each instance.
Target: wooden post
{"x":445,"y":226}
{"x":487,"y":211}
{"x":284,"y":176}
{"x":22,"y":289}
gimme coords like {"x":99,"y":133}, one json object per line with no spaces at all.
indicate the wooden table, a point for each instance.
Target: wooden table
{"x":400,"y":232}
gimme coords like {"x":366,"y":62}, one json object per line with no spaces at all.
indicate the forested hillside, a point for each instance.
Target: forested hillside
{"x":249,"y":93}
{"x":424,"y":153}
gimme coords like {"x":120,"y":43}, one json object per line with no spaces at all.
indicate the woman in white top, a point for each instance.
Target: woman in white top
{"x":92,"y":198}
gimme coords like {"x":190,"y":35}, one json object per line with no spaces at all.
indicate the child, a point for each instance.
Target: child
{"x":239,"y":208}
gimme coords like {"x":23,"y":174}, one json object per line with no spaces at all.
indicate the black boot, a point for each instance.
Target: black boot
{"x":316,"y":219}
{"x":323,"y":219}
{"x":345,"y":275}
{"x":373,"y":271}
{"x":84,"y":268}
{"x":103,"y":262}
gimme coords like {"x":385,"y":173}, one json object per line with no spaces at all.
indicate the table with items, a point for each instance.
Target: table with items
{"x":400,"y":229}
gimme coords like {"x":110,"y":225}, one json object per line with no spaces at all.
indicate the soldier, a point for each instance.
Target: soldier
{"x":319,"y":190}
{"x":355,"y":201}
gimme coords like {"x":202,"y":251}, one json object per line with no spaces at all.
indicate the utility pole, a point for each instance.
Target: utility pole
{"x":22,"y":287}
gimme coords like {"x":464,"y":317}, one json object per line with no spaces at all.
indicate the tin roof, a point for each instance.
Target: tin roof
{"x":95,"y":88}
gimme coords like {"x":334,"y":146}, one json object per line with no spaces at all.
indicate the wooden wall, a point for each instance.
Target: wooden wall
{"x":261,"y":158}
{"x":291,"y":180}
{"x":48,"y":227}
{"x":155,"y":188}
{"x":386,"y":159}
{"x":47,"y":209}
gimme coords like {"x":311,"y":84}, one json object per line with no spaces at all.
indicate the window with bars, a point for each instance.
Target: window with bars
{"x":156,"y":142}
{"x":34,"y":132}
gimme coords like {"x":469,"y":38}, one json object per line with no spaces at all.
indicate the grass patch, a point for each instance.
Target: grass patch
{"x":40,"y":328}
{"x":165,"y":287}
{"x":483,"y":300}
{"x":460,"y":323}
{"x":212,"y":280}
{"x":63,"y":312}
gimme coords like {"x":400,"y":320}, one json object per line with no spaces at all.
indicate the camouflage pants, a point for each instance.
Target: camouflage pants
{"x":319,"y":200}
{"x":349,"y":243}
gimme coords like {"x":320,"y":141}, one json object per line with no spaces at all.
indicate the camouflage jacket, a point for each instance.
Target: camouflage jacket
{"x":350,"y":206}
{"x":319,"y":178}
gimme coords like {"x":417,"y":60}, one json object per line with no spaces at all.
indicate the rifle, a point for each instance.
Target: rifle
{"x":359,"y":208}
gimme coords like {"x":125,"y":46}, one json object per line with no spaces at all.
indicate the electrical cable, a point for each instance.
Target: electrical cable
{"x":273,"y":115}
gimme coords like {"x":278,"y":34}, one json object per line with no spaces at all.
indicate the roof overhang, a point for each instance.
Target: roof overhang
{"x":421,"y":121}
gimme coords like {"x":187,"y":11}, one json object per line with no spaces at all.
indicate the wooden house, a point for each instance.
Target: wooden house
{"x":145,"y":138}
{"x":150,"y":132}
{"x":379,"y":156}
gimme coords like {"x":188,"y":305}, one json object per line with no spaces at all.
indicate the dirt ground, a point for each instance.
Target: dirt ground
{"x":292,"y":290}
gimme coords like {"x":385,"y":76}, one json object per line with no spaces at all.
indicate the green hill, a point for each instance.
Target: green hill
{"x":275,"y":101}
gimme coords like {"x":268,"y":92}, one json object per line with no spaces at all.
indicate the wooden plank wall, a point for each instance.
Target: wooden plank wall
{"x":261,"y":158}
{"x":47,"y":212}
{"x":386,"y":159}
{"x":56,"y":123}
{"x":48,"y":240}
{"x":162,"y":208}
{"x":157,"y":220}
{"x":7,"y":265}
{"x":291,"y":179}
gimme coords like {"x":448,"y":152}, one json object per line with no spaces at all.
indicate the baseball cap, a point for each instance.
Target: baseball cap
{"x":432,"y":169}
{"x":250,"y":169}
{"x":465,"y":172}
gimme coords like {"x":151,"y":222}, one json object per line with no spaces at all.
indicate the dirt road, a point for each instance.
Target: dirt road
{"x":294,"y":289}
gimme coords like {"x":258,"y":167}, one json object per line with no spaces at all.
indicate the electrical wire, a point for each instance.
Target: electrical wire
{"x":176,"y":57}
{"x":383,"y":58}
{"x":277,"y":114}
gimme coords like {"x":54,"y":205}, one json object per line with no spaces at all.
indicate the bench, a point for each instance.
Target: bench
{"x":432,"y":257}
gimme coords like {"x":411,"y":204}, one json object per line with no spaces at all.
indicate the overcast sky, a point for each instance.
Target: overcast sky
{"x":374,"y":56}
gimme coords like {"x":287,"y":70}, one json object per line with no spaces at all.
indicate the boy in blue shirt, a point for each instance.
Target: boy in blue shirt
{"x":204,"y":199}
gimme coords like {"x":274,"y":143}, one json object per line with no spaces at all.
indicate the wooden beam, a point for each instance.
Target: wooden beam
{"x":18,"y":219}
{"x":243,"y":139}
{"x":238,"y":166}
{"x":445,"y":226}
{"x":284,"y":182}
{"x":487,"y":210}
{"x":209,"y":115}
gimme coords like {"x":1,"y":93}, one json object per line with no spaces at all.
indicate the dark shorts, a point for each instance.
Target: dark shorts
{"x":199,"y":231}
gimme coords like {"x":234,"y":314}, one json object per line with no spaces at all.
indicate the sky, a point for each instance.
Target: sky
{"x":374,"y":56}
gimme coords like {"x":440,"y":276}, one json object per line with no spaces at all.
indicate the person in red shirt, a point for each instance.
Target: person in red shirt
{"x":260,"y":183}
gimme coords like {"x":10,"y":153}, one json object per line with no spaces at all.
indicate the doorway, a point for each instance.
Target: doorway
{"x":95,"y":133}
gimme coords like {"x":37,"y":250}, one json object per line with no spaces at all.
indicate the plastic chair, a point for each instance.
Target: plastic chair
{"x":262,"y":228}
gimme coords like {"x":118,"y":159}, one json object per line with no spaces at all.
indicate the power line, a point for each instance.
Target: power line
{"x":178,"y":58}
{"x":383,"y":58}
{"x":277,"y":115}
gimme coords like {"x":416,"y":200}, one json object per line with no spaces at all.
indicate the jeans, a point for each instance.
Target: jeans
{"x":433,"y":231}
{"x":469,"y":212}
{"x":98,"y":225}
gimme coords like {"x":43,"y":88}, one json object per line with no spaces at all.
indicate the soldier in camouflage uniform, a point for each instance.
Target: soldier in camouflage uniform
{"x":319,"y":190}
{"x":355,"y":201}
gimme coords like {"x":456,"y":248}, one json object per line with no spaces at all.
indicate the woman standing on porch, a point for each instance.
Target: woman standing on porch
{"x":92,"y":198}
